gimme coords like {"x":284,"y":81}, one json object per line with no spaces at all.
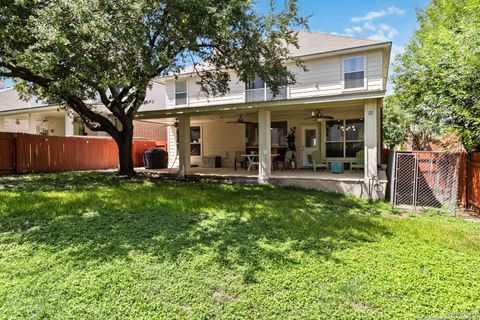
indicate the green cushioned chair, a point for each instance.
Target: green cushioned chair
{"x":318,"y":161}
{"x":359,"y":162}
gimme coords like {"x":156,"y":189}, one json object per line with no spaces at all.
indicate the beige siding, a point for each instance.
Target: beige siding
{"x":222,"y":139}
{"x":324,"y":77}
{"x":55,"y":125}
{"x":197,"y":98}
{"x":374,"y":70}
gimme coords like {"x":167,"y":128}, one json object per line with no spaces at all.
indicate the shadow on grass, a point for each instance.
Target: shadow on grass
{"x":97,"y":218}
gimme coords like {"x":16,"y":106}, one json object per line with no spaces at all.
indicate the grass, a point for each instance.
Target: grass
{"x":94,"y":246}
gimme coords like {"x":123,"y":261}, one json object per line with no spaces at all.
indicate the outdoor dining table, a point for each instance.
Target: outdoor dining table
{"x":253,"y":159}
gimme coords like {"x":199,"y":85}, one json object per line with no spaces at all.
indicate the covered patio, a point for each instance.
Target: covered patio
{"x":212,"y":141}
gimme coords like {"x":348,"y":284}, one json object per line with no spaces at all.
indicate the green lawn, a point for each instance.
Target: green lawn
{"x":94,"y":246}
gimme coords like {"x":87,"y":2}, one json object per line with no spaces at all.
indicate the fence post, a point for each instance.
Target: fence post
{"x":393,"y":178}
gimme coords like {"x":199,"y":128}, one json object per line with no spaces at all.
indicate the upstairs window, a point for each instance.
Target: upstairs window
{"x":256,"y":90}
{"x":354,"y":72}
{"x":180,"y":92}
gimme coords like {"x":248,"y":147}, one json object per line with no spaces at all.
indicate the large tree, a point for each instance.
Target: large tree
{"x":438,"y":75}
{"x":72,"y":51}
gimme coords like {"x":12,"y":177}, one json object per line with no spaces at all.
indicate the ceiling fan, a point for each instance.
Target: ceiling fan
{"x":241,"y":120}
{"x":317,"y":115}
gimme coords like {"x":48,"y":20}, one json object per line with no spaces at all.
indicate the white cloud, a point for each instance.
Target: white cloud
{"x":369,"y":26}
{"x":383,"y":32}
{"x":380,"y":32}
{"x":357,"y":29}
{"x":372,"y":15}
{"x":352,"y":30}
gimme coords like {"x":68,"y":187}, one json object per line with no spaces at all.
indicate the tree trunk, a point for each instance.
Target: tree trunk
{"x":125,"y":157}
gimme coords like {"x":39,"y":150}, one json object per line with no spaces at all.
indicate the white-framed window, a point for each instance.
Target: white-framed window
{"x":195,"y":141}
{"x":180,"y":92}
{"x":256,"y":90}
{"x":344,"y":138}
{"x":354,"y":72}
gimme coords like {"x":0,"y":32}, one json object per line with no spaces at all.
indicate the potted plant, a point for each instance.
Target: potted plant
{"x":292,"y":146}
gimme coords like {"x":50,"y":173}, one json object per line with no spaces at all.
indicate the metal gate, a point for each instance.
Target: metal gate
{"x":425,"y":179}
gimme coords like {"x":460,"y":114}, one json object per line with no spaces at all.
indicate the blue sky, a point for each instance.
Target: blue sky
{"x":391,"y":20}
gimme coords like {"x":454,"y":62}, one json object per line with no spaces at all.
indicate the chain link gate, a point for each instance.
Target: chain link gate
{"x":425,"y":179}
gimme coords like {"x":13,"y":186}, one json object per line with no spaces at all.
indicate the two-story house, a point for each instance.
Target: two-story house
{"x":335,"y":108}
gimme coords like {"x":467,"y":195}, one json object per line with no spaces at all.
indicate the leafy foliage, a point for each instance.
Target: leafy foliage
{"x":403,"y":122}
{"x":75,"y":51}
{"x":439,"y":73}
{"x":95,"y":246}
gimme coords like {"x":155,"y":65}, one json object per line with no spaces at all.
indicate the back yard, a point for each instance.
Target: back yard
{"x":93,"y":246}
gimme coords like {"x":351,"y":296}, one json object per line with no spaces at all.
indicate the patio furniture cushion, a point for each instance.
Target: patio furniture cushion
{"x":317,"y":160}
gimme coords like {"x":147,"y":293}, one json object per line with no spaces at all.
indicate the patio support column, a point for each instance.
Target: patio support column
{"x":184,"y":145}
{"x":264,"y":145}
{"x":371,"y":114}
{"x":2,"y":123}
{"x":68,"y":124}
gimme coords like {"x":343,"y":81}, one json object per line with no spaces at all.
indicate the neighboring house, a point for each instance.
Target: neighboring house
{"x":343,"y":89}
{"x":38,"y":117}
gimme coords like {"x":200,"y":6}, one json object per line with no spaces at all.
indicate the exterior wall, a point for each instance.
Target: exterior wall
{"x":55,"y":125}
{"x":172,"y":147}
{"x":10,"y":125}
{"x":324,"y":77}
{"x":220,"y":138}
{"x":299,"y":122}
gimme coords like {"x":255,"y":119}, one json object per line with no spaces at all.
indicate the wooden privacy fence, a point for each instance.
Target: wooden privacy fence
{"x":472,"y":192}
{"x":25,"y":153}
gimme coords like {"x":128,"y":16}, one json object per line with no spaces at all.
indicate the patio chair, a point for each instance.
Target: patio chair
{"x":359,"y":162}
{"x":318,"y":161}
{"x":240,"y":159}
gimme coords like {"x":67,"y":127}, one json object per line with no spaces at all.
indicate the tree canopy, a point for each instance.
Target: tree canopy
{"x":437,"y":78}
{"x":71,"y":51}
